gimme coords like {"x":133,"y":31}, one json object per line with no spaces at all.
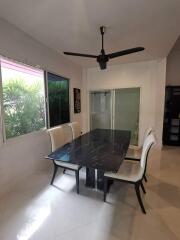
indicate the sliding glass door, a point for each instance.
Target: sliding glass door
{"x":116,"y":109}
{"x":126,"y":111}
{"x":100,"y":109}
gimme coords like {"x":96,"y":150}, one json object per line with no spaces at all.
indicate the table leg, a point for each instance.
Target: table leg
{"x":90,"y":177}
{"x":100,"y":179}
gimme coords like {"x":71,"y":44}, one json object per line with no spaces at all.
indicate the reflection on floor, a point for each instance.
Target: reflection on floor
{"x":37,"y":211}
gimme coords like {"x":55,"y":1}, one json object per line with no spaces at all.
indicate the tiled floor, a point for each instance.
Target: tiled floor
{"x":37,"y":211}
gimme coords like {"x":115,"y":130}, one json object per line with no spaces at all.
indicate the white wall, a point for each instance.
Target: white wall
{"x":149,"y":76}
{"x":21,"y":156}
{"x":173,"y":65}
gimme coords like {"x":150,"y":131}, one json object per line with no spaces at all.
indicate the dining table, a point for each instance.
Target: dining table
{"x":99,"y":151}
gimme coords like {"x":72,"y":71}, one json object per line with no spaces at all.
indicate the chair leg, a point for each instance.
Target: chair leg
{"x":145,"y":178}
{"x":105,"y":188}
{"x":54,"y":173}
{"x":77,"y":181}
{"x":139,"y":197}
{"x":143,"y":188}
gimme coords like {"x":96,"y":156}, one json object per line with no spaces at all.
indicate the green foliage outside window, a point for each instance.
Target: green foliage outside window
{"x":23,"y":107}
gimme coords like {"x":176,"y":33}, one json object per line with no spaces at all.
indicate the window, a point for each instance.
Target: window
{"x":58,"y":95}
{"x":23,"y":98}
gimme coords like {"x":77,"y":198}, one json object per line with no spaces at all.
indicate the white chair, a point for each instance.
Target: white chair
{"x":132,"y":172}
{"x":68,"y":134}
{"x":60,"y":136}
{"x":135,"y":154}
{"x":76,"y":130}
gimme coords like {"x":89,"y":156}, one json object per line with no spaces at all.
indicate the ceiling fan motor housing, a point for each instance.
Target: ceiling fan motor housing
{"x":102,"y":60}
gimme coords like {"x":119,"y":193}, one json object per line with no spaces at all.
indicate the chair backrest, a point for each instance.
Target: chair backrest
{"x":57,"y":137}
{"x":68,"y":134}
{"x":148,"y":131}
{"x":76,"y":130}
{"x":149,"y":141}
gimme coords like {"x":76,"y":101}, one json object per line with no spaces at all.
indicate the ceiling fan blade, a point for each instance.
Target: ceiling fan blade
{"x":80,"y":55}
{"x":125,"y":52}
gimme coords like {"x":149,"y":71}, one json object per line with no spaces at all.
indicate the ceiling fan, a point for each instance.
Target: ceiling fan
{"x":103,"y":58}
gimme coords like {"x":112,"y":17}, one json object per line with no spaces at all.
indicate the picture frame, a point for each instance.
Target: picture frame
{"x":77,"y":100}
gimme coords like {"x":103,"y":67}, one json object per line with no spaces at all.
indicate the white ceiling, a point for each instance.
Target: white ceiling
{"x":73,"y":25}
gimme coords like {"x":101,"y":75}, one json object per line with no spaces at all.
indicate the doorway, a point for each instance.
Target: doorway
{"x":116,"y":109}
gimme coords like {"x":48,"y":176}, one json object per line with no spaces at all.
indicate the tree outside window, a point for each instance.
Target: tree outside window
{"x":23,"y":98}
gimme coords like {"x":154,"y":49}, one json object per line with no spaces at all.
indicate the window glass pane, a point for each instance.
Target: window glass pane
{"x":127,"y":111}
{"x":58,"y":93}
{"x":23,"y":98}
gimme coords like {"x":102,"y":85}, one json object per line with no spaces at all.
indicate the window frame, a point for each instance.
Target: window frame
{"x":4,"y":139}
{"x":47,"y":95}
{"x":2,"y":126}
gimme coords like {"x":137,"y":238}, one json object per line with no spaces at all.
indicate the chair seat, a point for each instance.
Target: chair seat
{"x":129,"y":171}
{"x":68,"y":165}
{"x":133,"y":154}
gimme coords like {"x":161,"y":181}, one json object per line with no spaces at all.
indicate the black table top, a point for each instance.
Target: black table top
{"x":102,"y":149}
